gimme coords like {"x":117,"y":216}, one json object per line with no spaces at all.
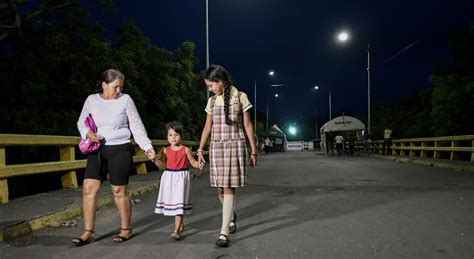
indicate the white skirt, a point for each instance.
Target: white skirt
{"x":173,"y":197}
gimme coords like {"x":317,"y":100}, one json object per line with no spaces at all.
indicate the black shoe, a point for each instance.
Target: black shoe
{"x":80,"y":242}
{"x":222,"y":242}
{"x":233,"y":225}
{"x":120,"y":238}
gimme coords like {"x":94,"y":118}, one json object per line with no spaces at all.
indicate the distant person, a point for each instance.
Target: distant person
{"x":268,"y":145}
{"x":339,"y":140}
{"x":322,"y":146}
{"x":387,"y":141}
{"x":366,"y":142}
{"x":349,"y":144}
{"x":175,"y":185}
{"x":330,"y":143}
{"x":261,"y":144}
{"x":116,"y":118}
{"x":227,"y":118}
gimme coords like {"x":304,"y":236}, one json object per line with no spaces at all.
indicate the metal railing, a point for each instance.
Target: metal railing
{"x":449,"y":147}
{"x":66,"y":164}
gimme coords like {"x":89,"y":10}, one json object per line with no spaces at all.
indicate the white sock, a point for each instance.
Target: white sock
{"x":228,"y":203}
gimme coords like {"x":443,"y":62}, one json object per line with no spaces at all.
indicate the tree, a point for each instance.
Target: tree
{"x":46,"y":69}
{"x":49,"y":71}
{"x":161,"y":82}
{"x":453,"y":91}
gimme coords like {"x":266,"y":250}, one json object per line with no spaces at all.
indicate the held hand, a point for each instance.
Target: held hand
{"x":202,"y":161}
{"x":202,"y":165}
{"x":201,"y":158}
{"x":150,"y":153}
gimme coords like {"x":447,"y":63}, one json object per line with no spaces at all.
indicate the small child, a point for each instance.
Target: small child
{"x":173,"y":197}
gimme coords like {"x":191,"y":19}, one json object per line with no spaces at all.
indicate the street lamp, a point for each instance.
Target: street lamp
{"x":343,"y":37}
{"x":270,"y":73}
{"x":276,"y":96}
{"x":316,"y":88}
{"x":292,"y":130}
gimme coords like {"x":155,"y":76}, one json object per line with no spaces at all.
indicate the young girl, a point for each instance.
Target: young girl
{"x":228,"y":123}
{"x":173,"y":197}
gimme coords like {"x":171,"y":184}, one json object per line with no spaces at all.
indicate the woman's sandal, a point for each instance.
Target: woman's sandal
{"x":181,"y":229}
{"x":80,"y":242}
{"x":222,"y":242}
{"x":232,"y":225}
{"x":120,"y":238}
{"x":176,"y":236}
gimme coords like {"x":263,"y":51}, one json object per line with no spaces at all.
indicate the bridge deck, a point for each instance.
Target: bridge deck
{"x":297,"y":205}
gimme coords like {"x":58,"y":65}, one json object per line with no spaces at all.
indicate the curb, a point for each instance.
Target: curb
{"x":466,"y":168}
{"x":15,"y":229}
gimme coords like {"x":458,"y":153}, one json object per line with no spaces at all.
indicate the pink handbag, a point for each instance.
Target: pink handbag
{"x":87,"y":146}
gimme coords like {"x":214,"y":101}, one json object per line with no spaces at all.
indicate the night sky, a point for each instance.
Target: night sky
{"x":297,"y":39}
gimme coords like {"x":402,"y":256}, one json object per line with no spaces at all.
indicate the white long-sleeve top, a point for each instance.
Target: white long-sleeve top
{"x":116,"y":120}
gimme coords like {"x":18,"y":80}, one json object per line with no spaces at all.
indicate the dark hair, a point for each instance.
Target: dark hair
{"x":108,"y":76}
{"x":176,"y":126}
{"x":217,"y":73}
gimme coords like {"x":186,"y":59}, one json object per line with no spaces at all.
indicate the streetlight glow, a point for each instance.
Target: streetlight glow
{"x":271,"y":73}
{"x":343,"y":36}
{"x":276,"y":95}
{"x":316,"y":87}
{"x":292,"y":130}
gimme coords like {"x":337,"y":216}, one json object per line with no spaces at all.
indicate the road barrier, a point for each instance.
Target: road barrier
{"x":66,"y":164}
{"x":449,"y":147}
{"x":295,"y":146}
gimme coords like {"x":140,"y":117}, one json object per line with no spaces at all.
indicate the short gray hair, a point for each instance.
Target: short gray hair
{"x":111,"y":75}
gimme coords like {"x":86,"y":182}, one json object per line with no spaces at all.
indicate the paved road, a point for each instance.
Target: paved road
{"x":298,"y":205}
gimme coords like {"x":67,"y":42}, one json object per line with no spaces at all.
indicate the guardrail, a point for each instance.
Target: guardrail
{"x":67,"y":164}
{"x":449,"y":147}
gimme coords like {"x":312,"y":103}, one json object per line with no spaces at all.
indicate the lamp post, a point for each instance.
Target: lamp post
{"x":276,"y":96}
{"x":207,"y":40}
{"x":270,"y":73}
{"x":329,"y":97}
{"x":368,"y":89}
{"x":343,"y":37}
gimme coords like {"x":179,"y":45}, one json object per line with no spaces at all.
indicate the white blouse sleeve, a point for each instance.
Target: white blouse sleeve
{"x":81,"y":126}
{"x":136,"y":126}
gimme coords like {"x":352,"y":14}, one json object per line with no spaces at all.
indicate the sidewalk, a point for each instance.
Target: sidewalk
{"x":457,"y":165}
{"x":24,"y":215}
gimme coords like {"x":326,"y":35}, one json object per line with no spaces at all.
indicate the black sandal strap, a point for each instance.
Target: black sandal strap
{"x":224,"y":235}
{"x":121,"y":239}
{"x":81,"y":242}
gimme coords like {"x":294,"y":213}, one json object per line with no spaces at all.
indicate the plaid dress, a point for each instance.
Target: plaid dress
{"x":228,"y":148}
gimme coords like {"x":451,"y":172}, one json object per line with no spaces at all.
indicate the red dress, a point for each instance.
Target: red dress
{"x":176,"y":160}
{"x":175,"y":185}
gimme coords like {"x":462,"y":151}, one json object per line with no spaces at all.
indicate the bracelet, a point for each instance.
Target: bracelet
{"x":200,"y":150}
{"x":253,"y":154}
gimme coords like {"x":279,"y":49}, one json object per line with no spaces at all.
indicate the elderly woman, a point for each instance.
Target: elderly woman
{"x":116,"y":118}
